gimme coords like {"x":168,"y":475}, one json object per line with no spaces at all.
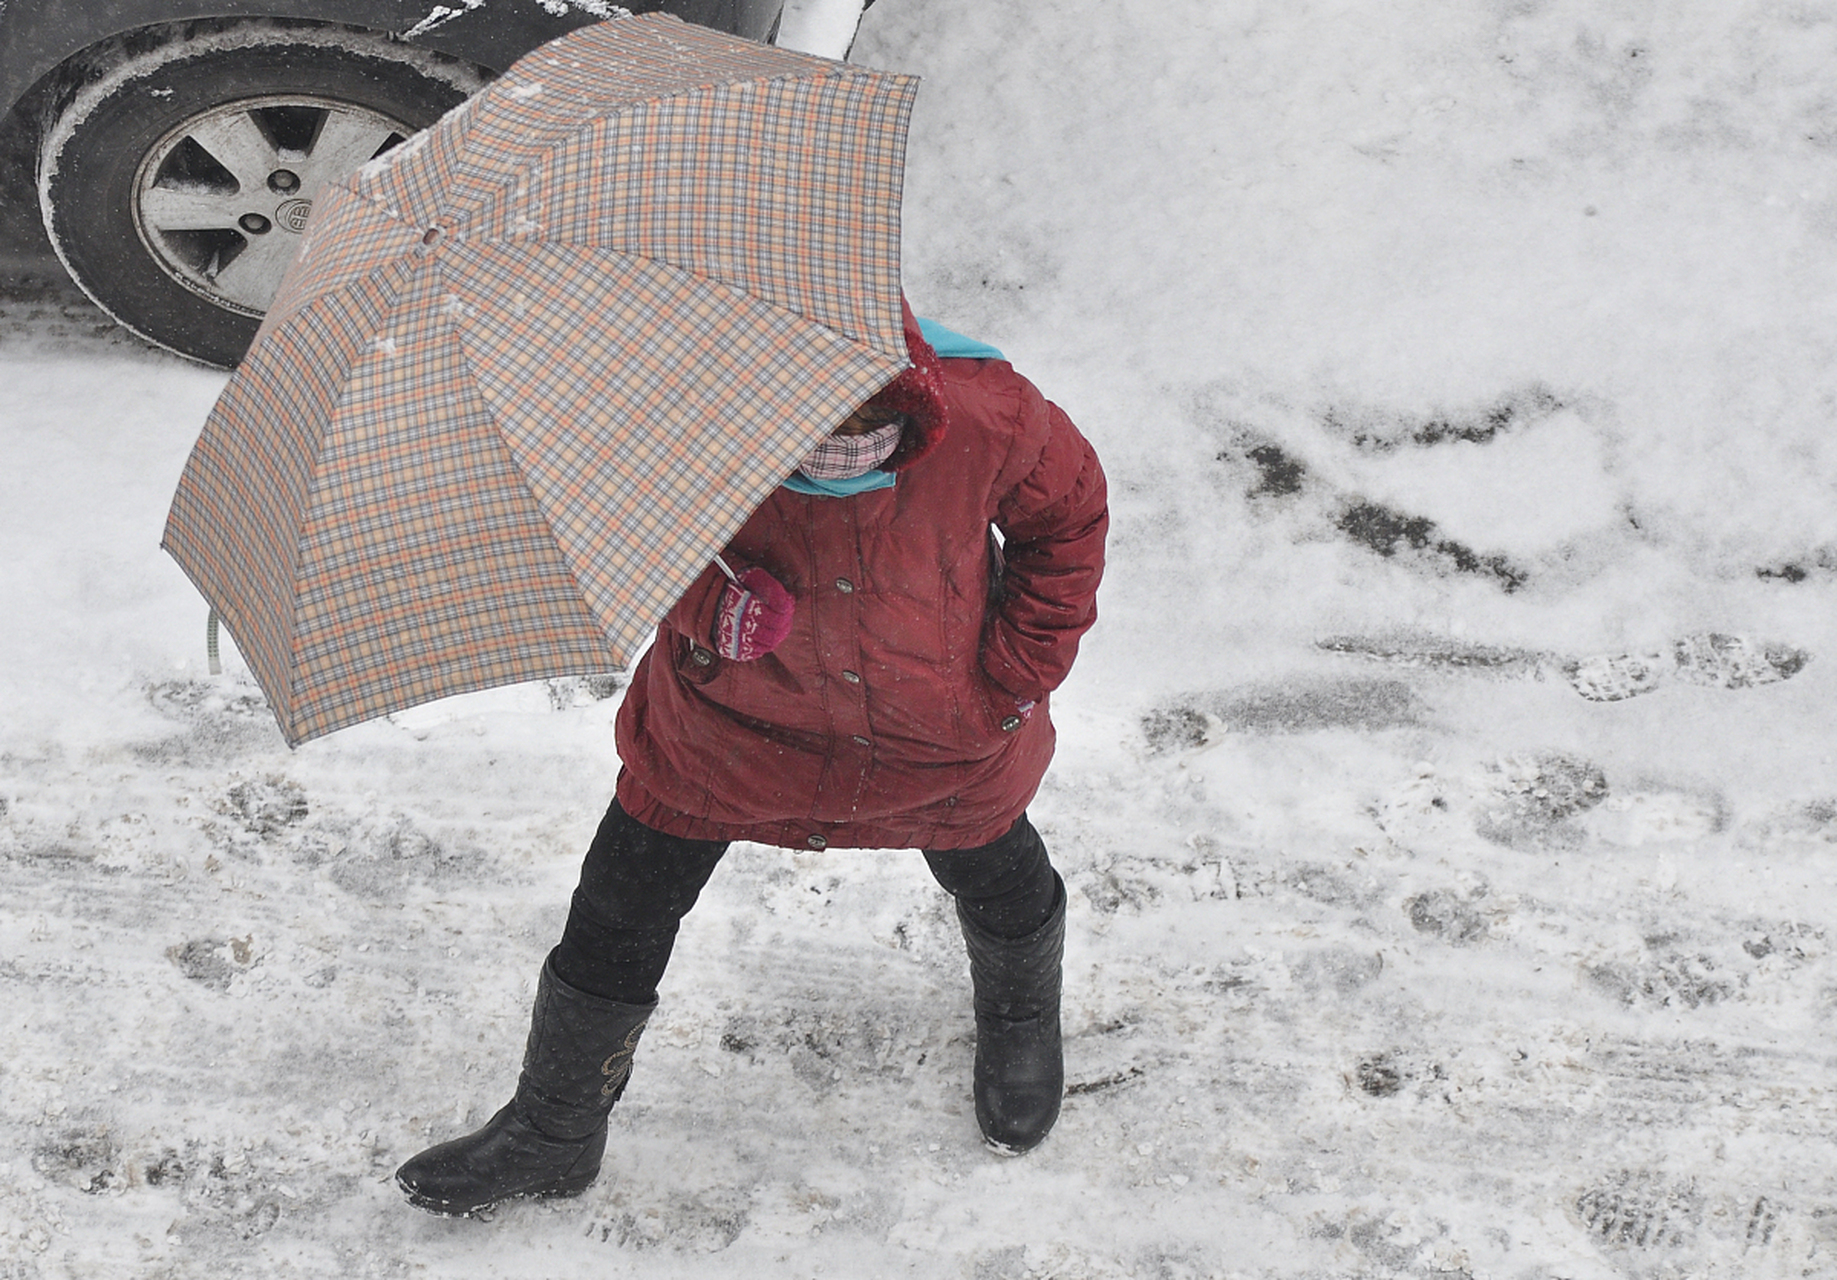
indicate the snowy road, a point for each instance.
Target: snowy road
{"x":1446,"y":795}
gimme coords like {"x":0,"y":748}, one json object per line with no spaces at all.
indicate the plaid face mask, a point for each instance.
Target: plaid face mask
{"x":845,"y":457}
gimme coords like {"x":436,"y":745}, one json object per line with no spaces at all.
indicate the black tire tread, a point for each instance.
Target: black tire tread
{"x":93,"y":147}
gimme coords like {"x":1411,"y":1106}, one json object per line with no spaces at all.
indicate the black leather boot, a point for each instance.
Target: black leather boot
{"x":549,"y":1139}
{"x":1020,"y":1061}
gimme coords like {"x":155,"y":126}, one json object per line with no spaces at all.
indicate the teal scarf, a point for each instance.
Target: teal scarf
{"x":863,"y":483}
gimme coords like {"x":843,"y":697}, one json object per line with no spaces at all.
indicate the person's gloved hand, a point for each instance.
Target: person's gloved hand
{"x":754,"y":615}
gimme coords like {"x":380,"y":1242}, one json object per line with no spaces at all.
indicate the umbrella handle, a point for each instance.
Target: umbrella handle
{"x":731,"y":575}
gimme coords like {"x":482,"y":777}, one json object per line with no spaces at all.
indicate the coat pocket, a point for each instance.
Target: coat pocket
{"x":695,"y":663}
{"x":999,"y":716}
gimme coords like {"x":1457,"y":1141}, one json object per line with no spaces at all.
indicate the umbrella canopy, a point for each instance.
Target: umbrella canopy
{"x":533,"y":367}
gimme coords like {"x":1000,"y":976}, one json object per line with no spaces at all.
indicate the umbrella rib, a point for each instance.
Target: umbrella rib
{"x":548,"y":530}
{"x":686,"y":532}
{"x":304,"y":314}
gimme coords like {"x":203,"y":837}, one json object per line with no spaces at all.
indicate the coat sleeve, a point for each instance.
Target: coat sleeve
{"x":1053,"y":521}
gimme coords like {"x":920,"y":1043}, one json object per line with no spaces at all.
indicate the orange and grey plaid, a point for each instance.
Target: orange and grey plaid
{"x":534,"y":367}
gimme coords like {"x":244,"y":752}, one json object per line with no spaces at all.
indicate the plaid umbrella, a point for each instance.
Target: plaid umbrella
{"x":534,"y":367}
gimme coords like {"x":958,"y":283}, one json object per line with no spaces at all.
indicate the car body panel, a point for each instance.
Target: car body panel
{"x":36,"y":39}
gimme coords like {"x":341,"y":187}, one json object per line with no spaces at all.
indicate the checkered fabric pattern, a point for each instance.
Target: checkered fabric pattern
{"x":845,"y":457}
{"x":532,"y":368}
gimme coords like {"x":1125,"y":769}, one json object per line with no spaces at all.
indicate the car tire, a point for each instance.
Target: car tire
{"x":174,"y":184}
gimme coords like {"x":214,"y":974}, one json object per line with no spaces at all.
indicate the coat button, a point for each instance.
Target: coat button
{"x":1011,"y":724}
{"x":844,"y":586}
{"x":851,"y":677}
{"x":701,"y":657}
{"x":863,"y":742}
{"x":817,"y":842}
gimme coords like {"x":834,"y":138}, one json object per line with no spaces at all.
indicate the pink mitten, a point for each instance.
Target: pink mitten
{"x":754,"y":615}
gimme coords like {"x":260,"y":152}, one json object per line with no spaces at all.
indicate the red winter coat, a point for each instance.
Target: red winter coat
{"x":887,"y":718}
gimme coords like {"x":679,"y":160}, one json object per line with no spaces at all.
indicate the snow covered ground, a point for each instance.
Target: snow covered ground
{"x":1446,"y":794}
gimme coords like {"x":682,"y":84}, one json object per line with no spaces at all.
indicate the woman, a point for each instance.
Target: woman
{"x":864,"y":667}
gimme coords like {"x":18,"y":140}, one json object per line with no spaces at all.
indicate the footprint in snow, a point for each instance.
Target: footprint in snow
{"x":1640,"y":1210}
{"x":219,"y":718}
{"x":88,"y":1159}
{"x":1529,"y":801}
{"x":266,"y":805}
{"x":1669,"y":976}
{"x":682,"y":1223}
{"x":1532,"y":799}
{"x":1457,"y":919}
{"x":1635,"y":1212}
{"x":1709,"y":659}
{"x":1305,"y":704}
{"x":214,"y":962}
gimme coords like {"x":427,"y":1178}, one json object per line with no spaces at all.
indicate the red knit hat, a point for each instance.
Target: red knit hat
{"x":918,"y":393}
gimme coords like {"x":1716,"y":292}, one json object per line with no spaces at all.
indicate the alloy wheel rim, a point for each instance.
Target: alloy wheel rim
{"x":221,"y":200}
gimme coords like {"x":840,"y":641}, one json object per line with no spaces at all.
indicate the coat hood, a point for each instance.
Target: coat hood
{"x":917,"y":392}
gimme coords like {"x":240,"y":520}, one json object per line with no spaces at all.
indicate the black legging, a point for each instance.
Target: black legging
{"x":636,"y":885}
